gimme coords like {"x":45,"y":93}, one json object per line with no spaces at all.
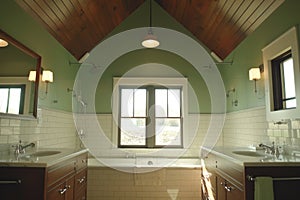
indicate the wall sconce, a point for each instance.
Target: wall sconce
{"x":47,"y":77}
{"x":32,"y":76}
{"x":254,"y":74}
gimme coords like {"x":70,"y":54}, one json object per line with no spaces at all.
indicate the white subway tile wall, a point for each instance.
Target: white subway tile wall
{"x":249,"y":127}
{"x":52,"y":128}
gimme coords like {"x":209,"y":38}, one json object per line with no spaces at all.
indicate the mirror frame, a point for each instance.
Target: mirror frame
{"x":29,"y":52}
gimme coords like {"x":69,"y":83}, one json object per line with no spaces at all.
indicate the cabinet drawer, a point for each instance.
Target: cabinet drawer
{"x":81,"y":161}
{"x":63,"y":190}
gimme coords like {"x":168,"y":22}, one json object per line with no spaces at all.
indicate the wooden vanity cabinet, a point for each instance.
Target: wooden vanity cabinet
{"x":224,"y":178}
{"x":22,"y":183}
{"x":286,"y":180}
{"x":67,"y":180}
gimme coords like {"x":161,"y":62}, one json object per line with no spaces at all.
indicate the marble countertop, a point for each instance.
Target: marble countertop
{"x":30,"y":159}
{"x":259,"y":160}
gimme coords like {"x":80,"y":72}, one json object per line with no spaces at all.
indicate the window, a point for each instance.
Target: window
{"x":150,"y":115}
{"x":282,"y":77}
{"x":12,"y":98}
{"x":283,"y":82}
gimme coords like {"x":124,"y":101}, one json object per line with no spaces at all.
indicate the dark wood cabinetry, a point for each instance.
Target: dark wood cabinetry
{"x":65,"y":180}
{"x":20,"y":183}
{"x":223,"y":179}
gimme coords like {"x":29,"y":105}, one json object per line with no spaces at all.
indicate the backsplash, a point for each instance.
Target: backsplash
{"x":51,"y":129}
{"x":249,"y":127}
{"x":242,"y":128}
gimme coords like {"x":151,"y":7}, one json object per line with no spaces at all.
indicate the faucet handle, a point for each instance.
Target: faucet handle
{"x":18,"y":148}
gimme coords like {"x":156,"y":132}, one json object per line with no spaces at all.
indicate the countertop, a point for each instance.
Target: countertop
{"x":29,"y":160}
{"x":263,"y":160}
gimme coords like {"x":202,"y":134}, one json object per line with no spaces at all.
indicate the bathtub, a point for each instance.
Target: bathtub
{"x":144,"y":162}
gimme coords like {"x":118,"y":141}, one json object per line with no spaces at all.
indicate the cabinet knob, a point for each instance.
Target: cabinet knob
{"x":64,"y":190}
{"x":81,"y":180}
{"x":228,"y":188}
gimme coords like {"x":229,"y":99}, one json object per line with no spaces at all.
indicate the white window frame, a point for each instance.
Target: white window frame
{"x":287,"y":41}
{"x":140,"y":81}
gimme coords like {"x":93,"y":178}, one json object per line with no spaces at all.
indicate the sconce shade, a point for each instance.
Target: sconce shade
{"x":150,"y":41}
{"x":32,"y":76}
{"x":254,"y":74}
{"x":3,"y":43}
{"x":47,"y":76}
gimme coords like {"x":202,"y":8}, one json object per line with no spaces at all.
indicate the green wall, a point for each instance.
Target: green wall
{"x":137,"y":58}
{"x":21,"y":26}
{"x":249,"y":54}
{"x":24,"y":28}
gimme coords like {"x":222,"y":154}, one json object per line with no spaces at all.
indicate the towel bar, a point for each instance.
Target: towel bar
{"x":11,"y":182}
{"x":250,"y":178}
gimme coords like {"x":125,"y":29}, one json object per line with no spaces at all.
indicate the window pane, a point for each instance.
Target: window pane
{"x":174,"y":102}
{"x":289,"y":82}
{"x":14,"y":100}
{"x":140,"y":103}
{"x":133,"y":131}
{"x":3,"y":99}
{"x":168,"y":132}
{"x":290,"y":103}
{"x":127,"y":102}
{"x":161,"y":102}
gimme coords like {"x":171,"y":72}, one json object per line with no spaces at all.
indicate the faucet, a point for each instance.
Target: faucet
{"x":269,"y":149}
{"x":20,"y":149}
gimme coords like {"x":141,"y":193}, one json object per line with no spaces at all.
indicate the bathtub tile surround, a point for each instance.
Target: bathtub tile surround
{"x":164,"y":184}
{"x":52,"y":129}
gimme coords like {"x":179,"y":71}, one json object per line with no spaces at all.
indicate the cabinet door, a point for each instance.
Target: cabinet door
{"x":234,"y":194}
{"x":221,"y":192}
{"x":62,"y":191}
{"x":16,"y":183}
{"x":80,"y":185}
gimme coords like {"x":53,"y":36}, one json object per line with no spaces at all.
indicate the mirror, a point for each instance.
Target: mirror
{"x":282,"y":77}
{"x":18,"y":95}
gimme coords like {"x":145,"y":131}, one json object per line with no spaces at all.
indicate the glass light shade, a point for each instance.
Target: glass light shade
{"x":32,"y":76}
{"x":3,"y":43}
{"x":254,"y":74}
{"x":47,"y":76}
{"x":150,"y":41}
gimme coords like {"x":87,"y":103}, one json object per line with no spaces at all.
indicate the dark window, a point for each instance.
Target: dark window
{"x":284,"y":95}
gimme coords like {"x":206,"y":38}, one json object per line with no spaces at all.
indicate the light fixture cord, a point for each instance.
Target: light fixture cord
{"x":150,"y":13}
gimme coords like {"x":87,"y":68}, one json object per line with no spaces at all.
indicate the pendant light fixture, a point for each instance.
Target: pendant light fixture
{"x":3,"y":43}
{"x":150,"y":41}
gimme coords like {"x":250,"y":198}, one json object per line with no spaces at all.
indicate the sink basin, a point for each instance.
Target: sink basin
{"x":44,"y":153}
{"x":249,"y":153}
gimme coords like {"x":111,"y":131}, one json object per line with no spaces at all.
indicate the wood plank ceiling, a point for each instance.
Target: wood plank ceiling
{"x":219,"y":24}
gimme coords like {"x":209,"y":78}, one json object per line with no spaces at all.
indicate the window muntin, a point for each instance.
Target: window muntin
{"x":283,"y":82}
{"x":136,"y":111}
{"x":12,"y":98}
